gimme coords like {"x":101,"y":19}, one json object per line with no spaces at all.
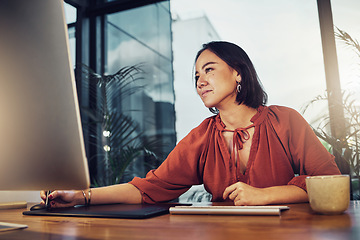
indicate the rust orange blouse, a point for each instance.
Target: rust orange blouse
{"x":284,"y":151}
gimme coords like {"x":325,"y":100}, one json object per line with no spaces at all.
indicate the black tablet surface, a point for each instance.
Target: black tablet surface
{"x":130,"y":211}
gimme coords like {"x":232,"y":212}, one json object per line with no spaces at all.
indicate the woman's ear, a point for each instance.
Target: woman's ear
{"x":238,"y":76}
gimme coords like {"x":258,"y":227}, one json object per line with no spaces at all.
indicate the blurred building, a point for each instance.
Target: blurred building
{"x":188,"y":36}
{"x":109,"y":35}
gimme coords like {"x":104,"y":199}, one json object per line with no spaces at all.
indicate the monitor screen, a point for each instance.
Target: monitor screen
{"x":41,"y":141}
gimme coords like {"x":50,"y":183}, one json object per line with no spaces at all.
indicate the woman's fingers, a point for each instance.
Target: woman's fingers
{"x":229,"y":190}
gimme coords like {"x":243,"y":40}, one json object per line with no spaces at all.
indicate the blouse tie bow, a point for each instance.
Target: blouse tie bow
{"x":240,"y":136}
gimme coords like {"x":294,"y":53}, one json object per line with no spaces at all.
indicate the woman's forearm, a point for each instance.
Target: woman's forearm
{"x":120,"y":193}
{"x":285,"y":194}
{"x":244,"y":194}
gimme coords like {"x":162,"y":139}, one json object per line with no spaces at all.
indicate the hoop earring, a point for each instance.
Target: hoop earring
{"x":238,"y":87}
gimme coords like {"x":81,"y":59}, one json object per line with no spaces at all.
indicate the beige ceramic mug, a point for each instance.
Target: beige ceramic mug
{"x":328,"y":194}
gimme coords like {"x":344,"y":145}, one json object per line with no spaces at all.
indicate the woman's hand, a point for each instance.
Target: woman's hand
{"x":119,"y":193}
{"x":59,"y":199}
{"x":243,"y":194}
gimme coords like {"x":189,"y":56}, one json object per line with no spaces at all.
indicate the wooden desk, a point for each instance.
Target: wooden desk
{"x":297,"y":223}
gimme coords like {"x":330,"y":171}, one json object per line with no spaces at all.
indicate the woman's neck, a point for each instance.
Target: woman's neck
{"x":237,"y":116}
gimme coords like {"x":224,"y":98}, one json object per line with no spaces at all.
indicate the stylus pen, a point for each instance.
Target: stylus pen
{"x":47,"y":202}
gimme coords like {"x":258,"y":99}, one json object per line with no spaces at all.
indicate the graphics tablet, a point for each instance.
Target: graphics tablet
{"x":129,"y":211}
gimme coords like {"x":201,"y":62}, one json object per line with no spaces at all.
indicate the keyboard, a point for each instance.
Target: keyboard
{"x":229,"y":210}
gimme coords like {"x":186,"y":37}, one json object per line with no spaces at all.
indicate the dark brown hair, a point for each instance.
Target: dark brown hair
{"x":252,"y":93}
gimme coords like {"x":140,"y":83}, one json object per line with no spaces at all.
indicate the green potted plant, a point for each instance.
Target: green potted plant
{"x":119,"y":139}
{"x":348,"y":147}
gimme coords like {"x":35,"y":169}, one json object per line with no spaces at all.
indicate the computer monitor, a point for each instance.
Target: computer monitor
{"x":41,"y":141}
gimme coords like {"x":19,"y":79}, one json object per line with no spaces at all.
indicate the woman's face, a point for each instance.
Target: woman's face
{"x":216,"y":81}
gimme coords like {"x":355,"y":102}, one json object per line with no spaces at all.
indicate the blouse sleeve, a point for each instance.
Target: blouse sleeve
{"x":308,"y":156}
{"x":180,"y":170}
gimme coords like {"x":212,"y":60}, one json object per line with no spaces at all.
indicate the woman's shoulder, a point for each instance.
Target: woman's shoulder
{"x":282,"y":109}
{"x":283,"y":114}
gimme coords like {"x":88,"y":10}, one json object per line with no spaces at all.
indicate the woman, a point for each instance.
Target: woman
{"x":247,"y":153}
